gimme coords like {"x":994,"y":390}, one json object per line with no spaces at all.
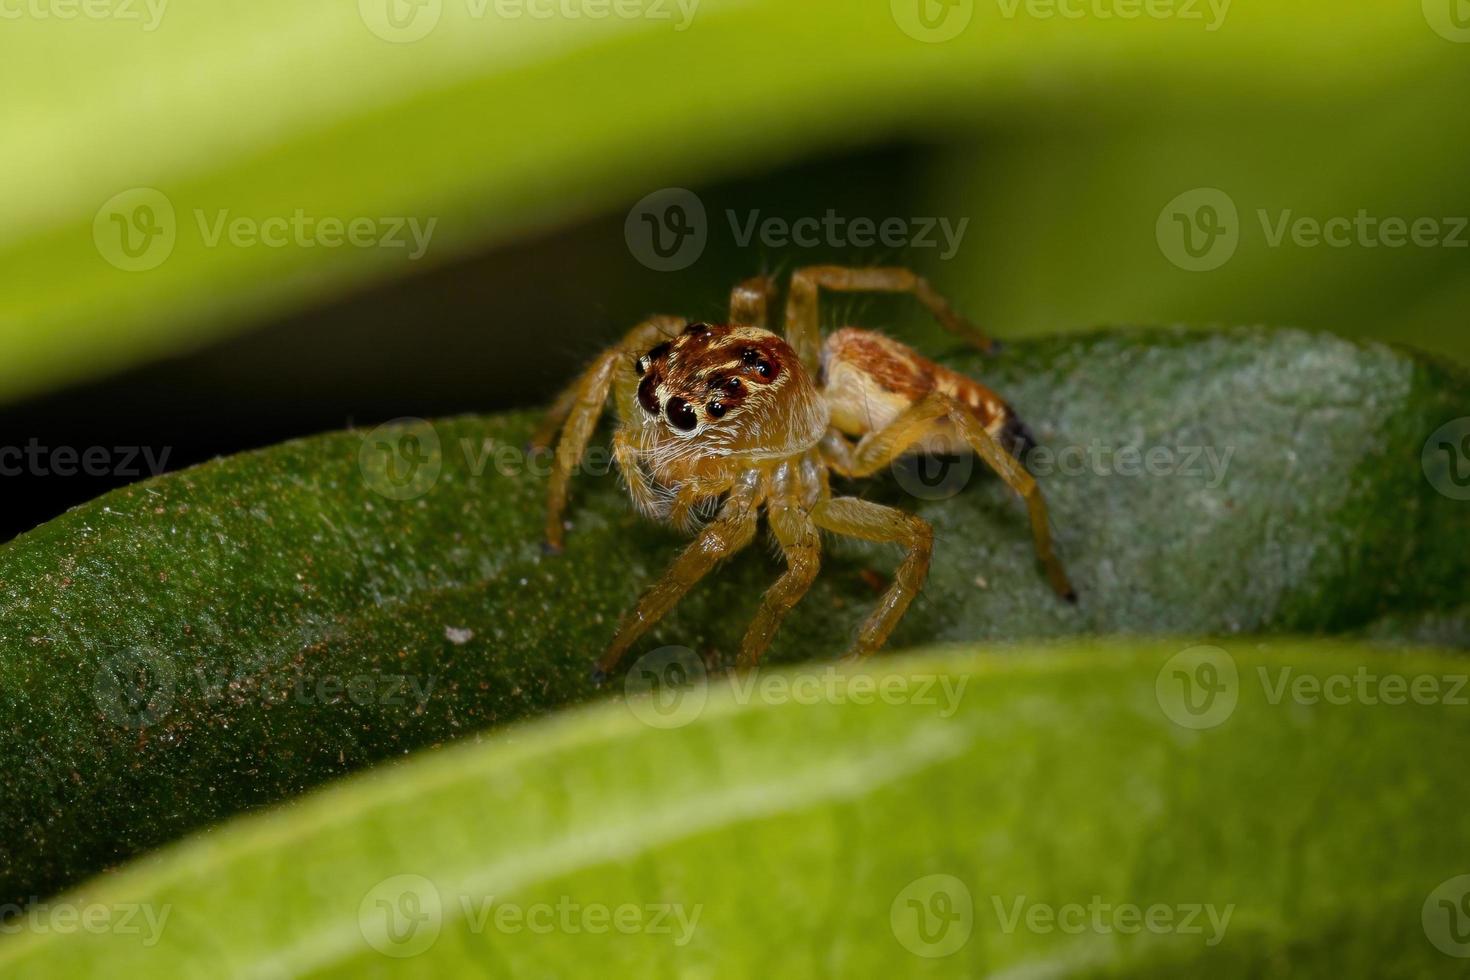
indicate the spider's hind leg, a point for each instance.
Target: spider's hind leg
{"x":935,"y":410}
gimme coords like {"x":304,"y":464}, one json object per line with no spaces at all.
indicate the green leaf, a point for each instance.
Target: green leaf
{"x":492,"y":126}
{"x":1079,"y":811}
{"x":230,"y":635}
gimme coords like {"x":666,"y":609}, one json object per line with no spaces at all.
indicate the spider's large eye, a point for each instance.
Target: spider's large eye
{"x":647,"y":396}
{"x":681,"y":414}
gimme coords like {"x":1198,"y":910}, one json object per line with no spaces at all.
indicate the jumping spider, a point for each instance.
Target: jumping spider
{"x":724,"y":419}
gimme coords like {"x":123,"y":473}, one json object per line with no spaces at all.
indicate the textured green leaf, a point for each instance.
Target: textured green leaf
{"x":245,"y":598}
{"x":1305,"y":822}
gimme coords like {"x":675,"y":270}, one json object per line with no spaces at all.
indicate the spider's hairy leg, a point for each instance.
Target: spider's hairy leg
{"x":580,"y":406}
{"x":750,"y":302}
{"x":732,"y":529}
{"x":873,"y":522}
{"x":803,"y":324}
{"x":935,"y":410}
{"x":802,"y":546}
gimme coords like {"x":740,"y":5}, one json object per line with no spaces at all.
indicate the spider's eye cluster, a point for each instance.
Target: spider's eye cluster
{"x":753,"y":358}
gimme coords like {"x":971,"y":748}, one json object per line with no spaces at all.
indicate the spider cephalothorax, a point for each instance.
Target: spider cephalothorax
{"x":727,"y":390}
{"x":731,"y":420}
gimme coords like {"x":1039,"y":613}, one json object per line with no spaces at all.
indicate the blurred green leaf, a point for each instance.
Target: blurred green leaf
{"x":230,"y":635}
{"x":1077,"y":810}
{"x":491,"y":125}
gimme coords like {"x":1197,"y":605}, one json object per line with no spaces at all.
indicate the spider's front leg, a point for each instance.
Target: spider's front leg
{"x":803,"y":323}
{"x":577,"y":409}
{"x":802,"y":546}
{"x":732,"y":529}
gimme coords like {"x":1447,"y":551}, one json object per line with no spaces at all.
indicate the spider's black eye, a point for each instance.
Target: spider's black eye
{"x":716,"y":410}
{"x":681,"y":414}
{"x":732,"y":387}
{"x":647,"y":396}
{"x":696,"y":328}
{"x":753,"y":358}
